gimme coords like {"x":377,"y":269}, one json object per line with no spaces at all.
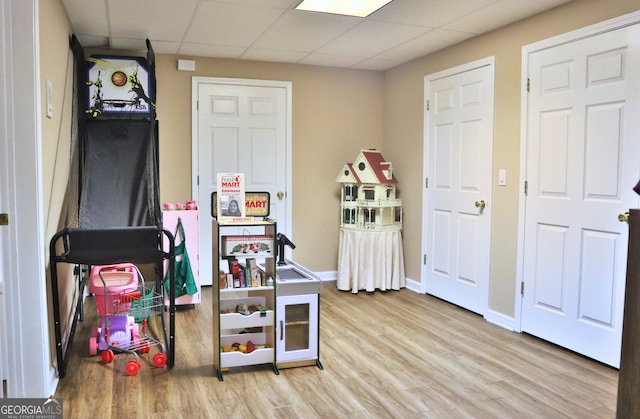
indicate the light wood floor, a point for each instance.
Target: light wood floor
{"x":385,"y":355}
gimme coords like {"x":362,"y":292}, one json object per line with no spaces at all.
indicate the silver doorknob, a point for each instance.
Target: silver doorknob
{"x":623,"y":218}
{"x":481,"y":204}
{"x":280,"y":194}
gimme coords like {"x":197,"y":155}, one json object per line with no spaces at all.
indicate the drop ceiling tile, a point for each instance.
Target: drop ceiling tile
{"x":230,"y":24}
{"x":371,"y":38}
{"x":258,"y":54}
{"x":153,"y":19}
{"x":305,"y":31}
{"x":431,"y":41}
{"x":206,"y":50}
{"x":376,"y":64}
{"x":278,"y":4}
{"x":330,"y":60}
{"x":88,"y":17}
{"x":502,"y":13}
{"x":429,"y":13}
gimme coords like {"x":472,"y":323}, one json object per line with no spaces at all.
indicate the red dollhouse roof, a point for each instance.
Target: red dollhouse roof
{"x":379,"y":166}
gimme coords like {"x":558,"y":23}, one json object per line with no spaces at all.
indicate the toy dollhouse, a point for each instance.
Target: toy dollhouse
{"x":368,"y":199}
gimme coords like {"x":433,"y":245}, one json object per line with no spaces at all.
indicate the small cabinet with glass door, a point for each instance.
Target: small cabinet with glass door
{"x":297,"y":332}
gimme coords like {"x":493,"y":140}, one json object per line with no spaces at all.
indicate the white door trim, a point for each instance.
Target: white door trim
{"x":31,"y":373}
{"x":4,"y":199}
{"x":592,"y":30}
{"x":488,"y":61}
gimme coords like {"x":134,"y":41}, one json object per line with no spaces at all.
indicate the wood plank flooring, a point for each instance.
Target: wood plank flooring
{"x":394,"y":354}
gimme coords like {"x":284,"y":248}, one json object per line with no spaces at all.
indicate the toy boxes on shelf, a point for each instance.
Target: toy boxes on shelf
{"x":247,"y":245}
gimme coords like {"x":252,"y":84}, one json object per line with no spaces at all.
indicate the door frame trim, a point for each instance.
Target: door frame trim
{"x":196,"y":81}
{"x":483,"y":62}
{"x":30,"y":368}
{"x":565,"y":38}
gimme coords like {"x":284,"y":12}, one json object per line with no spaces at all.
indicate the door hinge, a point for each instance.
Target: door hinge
{"x":427,"y":104}
{"x":528,"y":84}
{"x":4,"y":219}
{"x":522,"y":288}
{"x":526,"y":188}
{"x":426,"y":183}
{"x":424,"y":259}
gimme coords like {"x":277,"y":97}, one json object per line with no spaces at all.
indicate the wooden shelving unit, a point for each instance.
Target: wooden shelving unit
{"x":230,"y":327}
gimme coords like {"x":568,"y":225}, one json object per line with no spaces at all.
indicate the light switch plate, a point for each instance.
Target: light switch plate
{"x":502,"y":177}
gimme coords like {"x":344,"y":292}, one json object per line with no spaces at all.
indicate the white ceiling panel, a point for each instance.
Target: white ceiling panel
{"x":258,"y":54}
{"x":88,"y":17}
{"x":230,"y":24}
{"x":429,"y":13}
{"x":501,"y":13}
{"x":312,"y":31}
{"x":272,"y":30}
{"x":431,"y":41}
{"x":376,"y":64}
{"x":161,"y":21}
{"x":278,"y":4}
{"x":207,"y":50}
{"x":371,"y":38}
{"x":330,"y":60}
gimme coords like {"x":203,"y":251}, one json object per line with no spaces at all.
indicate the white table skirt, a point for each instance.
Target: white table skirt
{"x":370,"y":260}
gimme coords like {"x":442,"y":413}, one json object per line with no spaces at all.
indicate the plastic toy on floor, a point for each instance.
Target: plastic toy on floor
{"x":122,"y":299}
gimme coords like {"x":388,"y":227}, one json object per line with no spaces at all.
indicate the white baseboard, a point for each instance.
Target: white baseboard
{"x":501,"y":320}
{"x":53,"y":382}
{"x":414,"y":285}
{"x":328,"y":275}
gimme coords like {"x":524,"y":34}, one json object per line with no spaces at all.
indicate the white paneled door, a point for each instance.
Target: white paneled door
{"x":582,"y":161}
{"x":458,"y":144}
{"x":242,"y":126}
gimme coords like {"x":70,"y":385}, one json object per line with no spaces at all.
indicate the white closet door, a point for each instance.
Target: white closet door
{"x":459,"y":144}
{"x":582,"y":161}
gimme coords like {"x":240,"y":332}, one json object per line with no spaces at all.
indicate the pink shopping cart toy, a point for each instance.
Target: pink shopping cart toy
{"x":114,"y":287}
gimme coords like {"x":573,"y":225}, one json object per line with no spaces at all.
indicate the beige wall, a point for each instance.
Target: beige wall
{"x":403,"y":124}
{"x":56,"y":66}
{"x":336,"y":112}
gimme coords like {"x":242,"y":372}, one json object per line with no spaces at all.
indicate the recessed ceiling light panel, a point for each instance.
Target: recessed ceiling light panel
{"x":359,"y":8}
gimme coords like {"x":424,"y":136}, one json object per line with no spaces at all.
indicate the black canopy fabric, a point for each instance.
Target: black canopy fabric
{"x":118,"y":184}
